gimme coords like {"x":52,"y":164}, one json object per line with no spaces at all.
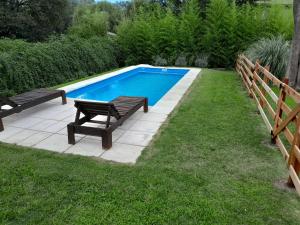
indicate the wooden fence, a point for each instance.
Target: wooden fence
{"x":279,"y":106}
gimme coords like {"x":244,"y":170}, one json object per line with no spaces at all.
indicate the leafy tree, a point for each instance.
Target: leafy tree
{"x":190,"y":29}
{"x":156,"y":32}
{"x":220,"y":33}
{"x":247,"y":27}
{"x":34,"y":19}
{"x":115,"y":13}
{"x":278,"y":21}
{"x":136,"y":39}
{"x":87,"y":24}
{"x":166,"y":37}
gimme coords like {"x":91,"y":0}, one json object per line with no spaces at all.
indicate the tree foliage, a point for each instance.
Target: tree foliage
{"x":34,"y":19}
{"x":190,"y":28}
{"x":88,"y":23}
{"x":218,"y":36}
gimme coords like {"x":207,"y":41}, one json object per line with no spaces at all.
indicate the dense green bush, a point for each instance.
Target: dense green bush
{"x":274,"y":52}
{"x":136,"y":40}
{"x":217,"y":36}
{"x":53,"y":62}
{"x":190,"y":29}
{"x":160,"y":34}
{"x":34,"y":19}
{"x":88,"y":23}
{"x":115,"y":13}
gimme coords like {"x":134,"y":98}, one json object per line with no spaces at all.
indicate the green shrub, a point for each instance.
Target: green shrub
{"x":190,"y":29}
{"x":246,"y":31}
{"x":88,"y":23}
{"x":51,"y":63}
{"x":166,"y":37}
{"x":274,"y":52}
{"x":8,"y":45}
{"x":220,"y":33}
{"x":114,"y":11}
{"x":278,"y":21}
{"x":135,"y":39}
{"x":34,"y":20}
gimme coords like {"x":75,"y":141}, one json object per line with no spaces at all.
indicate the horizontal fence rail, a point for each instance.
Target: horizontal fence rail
{"x":279,"y":106}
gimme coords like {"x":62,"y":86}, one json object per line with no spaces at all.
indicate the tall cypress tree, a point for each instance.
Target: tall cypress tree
{"x":166,"y":41}
{"x":190,"y":29}
{"x":220,"y":33}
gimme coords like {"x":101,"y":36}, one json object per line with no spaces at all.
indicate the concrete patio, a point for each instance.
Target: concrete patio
{"x":44,"y":127}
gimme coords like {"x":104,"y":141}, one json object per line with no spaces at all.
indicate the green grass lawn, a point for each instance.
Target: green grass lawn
{"x":211,"y":164}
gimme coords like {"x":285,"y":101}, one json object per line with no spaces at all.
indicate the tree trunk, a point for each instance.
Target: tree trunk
{"x":294,"y":64}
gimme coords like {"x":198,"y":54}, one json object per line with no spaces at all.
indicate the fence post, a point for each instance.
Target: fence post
{"x":263,"y":91}
{"x":256,"y":69}
{"x":245,"y":77}
{"x":278,"y":114}
{"x":293,"y":161}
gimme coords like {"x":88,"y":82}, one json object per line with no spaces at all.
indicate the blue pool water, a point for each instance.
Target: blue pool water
{"x":149,"y":82}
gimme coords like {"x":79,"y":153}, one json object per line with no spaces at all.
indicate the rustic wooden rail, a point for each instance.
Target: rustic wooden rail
{"x":282,"y":119}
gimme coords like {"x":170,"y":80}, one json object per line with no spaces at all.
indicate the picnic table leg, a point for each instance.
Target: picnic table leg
{"x":146,"y":105}
{"x":71,"y":134}
{"x":1,"y":125}
{"x":107,"y":140}
{"x":63,"y":97}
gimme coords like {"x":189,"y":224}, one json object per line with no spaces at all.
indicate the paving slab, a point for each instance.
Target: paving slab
{"x":20,"y":136}
{"x":145,"y":126}
{"x":162,"y":109}
{"x":9,"y":131}
{"x":34,"y":139}
{"x":55,"y":142}
{"x":87,"y":147}
{"x":59,"y":125}
{"x":127,"y":124}
{"x":154,"y":117}
{"x":43,"y":125}
{"x":123,"y":153}
{"x":135,"y":138}
{"x":25,"y":122}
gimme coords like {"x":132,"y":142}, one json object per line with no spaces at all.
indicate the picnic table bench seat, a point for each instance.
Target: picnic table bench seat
{"x":116,"y":112}
{"x":27,"y":100}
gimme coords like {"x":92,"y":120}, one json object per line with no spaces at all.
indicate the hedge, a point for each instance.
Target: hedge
{"x":33,"y":65}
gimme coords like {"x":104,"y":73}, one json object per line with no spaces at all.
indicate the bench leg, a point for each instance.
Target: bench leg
{"x":107,"y":140}
{"x":146,"y":105}
{"x":63,"y":98}
{"x":1,"y":125}
{"x":71,"y":135}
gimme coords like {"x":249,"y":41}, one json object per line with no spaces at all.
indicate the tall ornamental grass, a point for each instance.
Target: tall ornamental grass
{"x":273,"y":51}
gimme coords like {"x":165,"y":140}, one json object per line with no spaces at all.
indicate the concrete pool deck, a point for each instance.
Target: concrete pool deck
{"x":44,"y":126}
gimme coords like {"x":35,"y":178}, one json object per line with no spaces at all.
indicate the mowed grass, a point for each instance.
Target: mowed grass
{"x":211,"y":164}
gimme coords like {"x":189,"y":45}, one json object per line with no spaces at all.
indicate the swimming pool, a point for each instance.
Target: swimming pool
{"x":150,"y":82}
